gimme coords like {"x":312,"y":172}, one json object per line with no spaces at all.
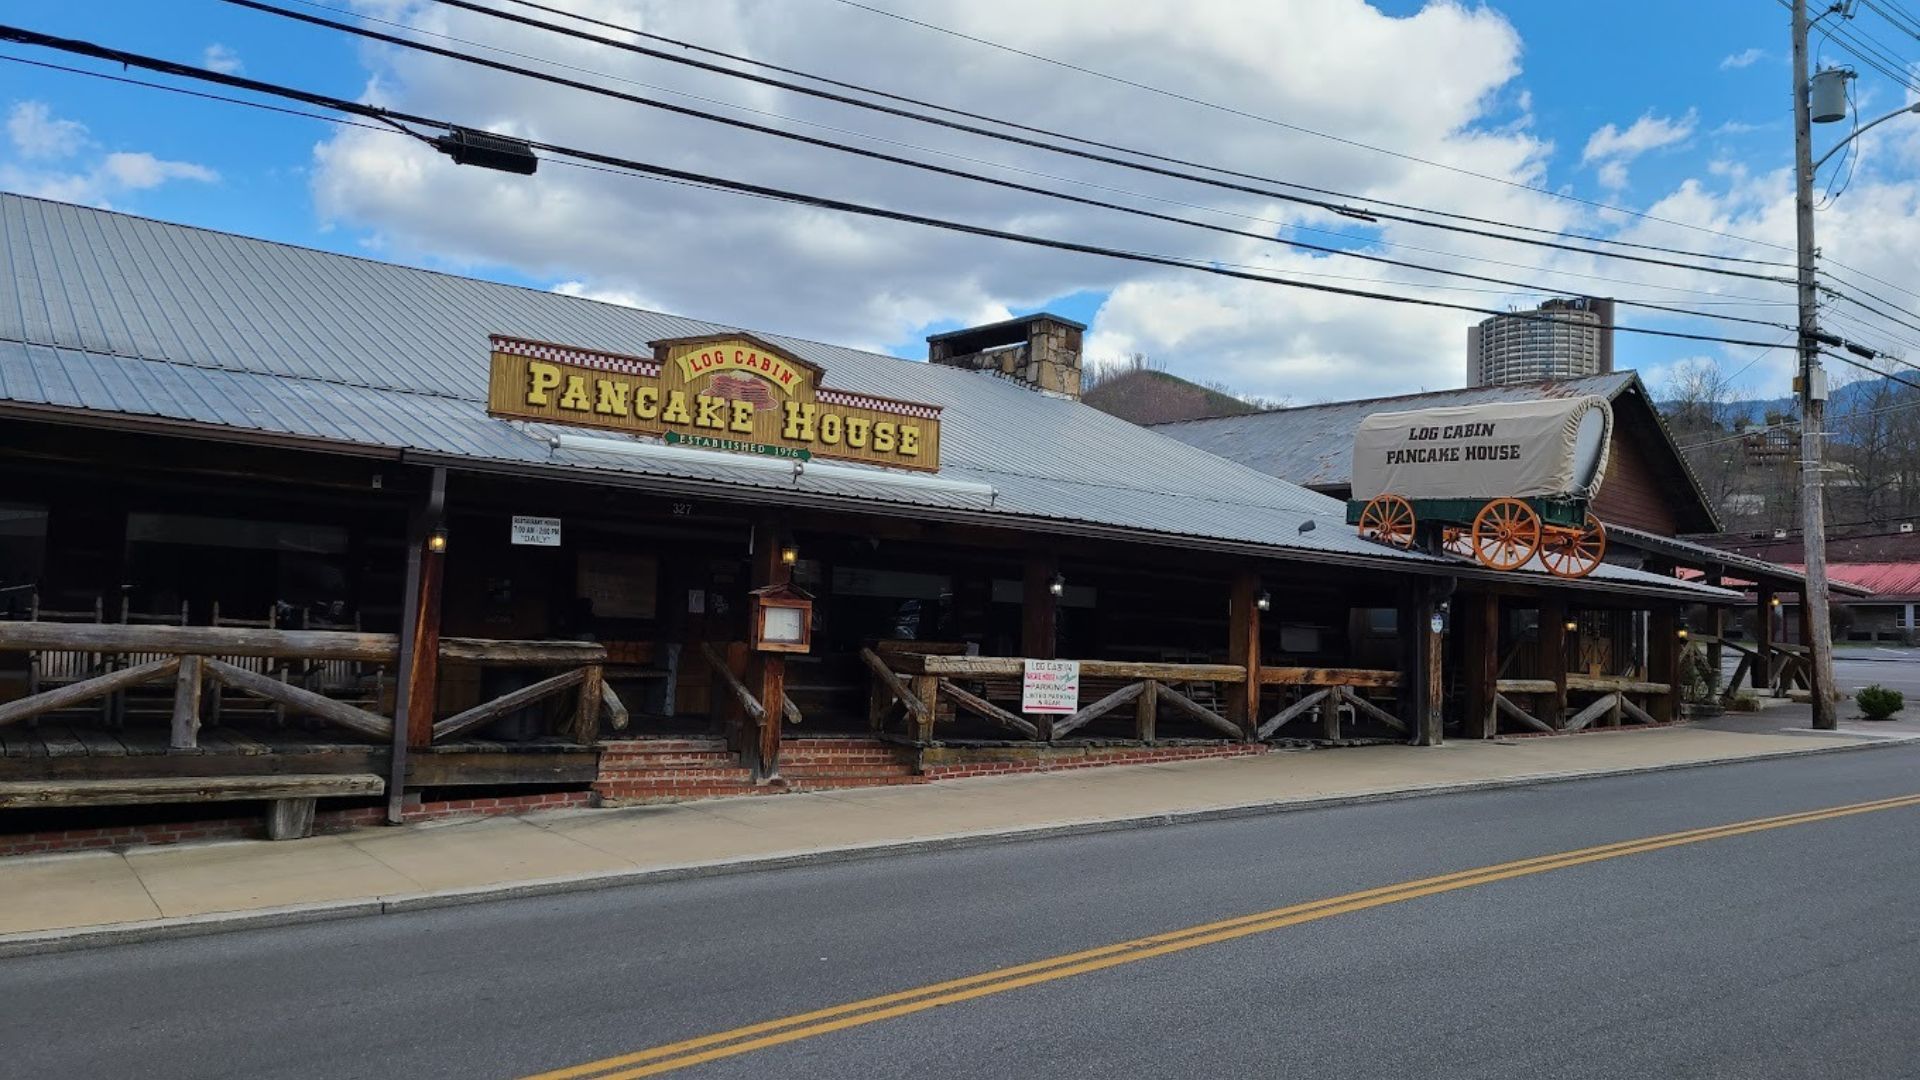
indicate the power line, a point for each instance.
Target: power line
{"x":1723,"y":299}
{"x":1001,"y":121}
{"x":1304,"y":130}
{"x":400,"y":118}
{"x":1367,"y":213}
{"x":1858,"y":36}
{"x":419,"y":46}
{"x":1864,"y":306}
{"x":1887,"y":375}
{"x":1905,"y":23}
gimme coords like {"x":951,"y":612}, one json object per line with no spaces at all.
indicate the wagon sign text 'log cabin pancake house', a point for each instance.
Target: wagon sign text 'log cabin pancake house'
{"x":731,"y":392}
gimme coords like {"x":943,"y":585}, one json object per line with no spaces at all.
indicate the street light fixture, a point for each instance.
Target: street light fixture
{"x":1863,"y":128}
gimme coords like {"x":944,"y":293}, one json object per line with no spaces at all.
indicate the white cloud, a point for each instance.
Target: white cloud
{"x":1610,"y":149}
{"x":1439,"y":84}
{"x":1442,"y":84}
{"x":1743,"y":59}
{"x":140,"y":171}
{"x":37,"y":134}
{"x":621,"y":297}
{"x":218,"y":57}
{"x":1650,"y":132}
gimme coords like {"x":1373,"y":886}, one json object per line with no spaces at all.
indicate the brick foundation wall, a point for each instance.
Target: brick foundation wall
{"x":254,"y":828}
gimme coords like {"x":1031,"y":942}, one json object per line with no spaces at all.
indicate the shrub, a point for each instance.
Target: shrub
{"x":1878,"y":702}
{"x":1744,"y":702}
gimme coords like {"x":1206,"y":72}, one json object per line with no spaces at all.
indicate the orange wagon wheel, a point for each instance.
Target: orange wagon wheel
{"x":1457,"y":540}
{"x":1573,"y":553}
{"x":1388,"y":519}
{"x":1506,"y":533}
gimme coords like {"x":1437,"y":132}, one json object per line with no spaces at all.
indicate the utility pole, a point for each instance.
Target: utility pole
{"x":1813,"y":394}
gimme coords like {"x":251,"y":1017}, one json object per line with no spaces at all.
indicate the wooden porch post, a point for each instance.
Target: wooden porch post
{"x":1553,"y":655}
{"x":1480,"y":664}
{"x":1663,"y":661}
{"x":1716,"y":629}
{"x":767,"y":672}
{"x":1243,"y":651}
{"x":419,"y":660}
{"x":1422,"y":651}
{"x":1806,"y":642}
{"x":1763,"y":648}
{"x":1038,"y":615}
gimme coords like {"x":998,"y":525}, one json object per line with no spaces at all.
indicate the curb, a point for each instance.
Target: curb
{"x":89,"y":937}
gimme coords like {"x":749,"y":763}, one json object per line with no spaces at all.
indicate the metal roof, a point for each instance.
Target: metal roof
{"x":106,"y":317}
{"x":1737,"y":566}
{"x":1312,"y":445}
{"x":1885,"y":580}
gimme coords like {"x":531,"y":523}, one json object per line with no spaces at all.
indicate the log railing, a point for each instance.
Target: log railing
{"x":913,"y":686}
{"x":1787,"y":666}
{"x":1325,"y":694}
{"x":193,"y":657}
{"x":1614,"y":701}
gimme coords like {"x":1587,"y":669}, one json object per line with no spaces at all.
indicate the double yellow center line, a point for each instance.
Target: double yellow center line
{"x":769,"y":1033}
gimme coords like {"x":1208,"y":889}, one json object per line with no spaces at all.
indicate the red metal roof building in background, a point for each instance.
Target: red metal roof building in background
{"x":1891,"y":582}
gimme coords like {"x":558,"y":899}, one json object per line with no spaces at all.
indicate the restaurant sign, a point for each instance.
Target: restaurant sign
{"x":732,"y":393}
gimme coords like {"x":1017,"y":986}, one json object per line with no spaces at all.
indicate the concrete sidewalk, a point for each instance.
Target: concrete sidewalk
{"x":148,"y":892}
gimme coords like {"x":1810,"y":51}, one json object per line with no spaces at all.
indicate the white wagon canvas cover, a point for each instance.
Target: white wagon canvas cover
{"x":1551,"y":448}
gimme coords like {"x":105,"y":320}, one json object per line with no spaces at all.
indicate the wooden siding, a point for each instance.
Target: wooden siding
{"x":1632,"y":493}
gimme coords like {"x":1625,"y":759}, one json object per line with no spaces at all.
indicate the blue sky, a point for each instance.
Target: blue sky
{"x":1710,"y":75}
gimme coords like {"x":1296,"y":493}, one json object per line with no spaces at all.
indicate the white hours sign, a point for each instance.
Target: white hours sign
{"x":536,"y":531}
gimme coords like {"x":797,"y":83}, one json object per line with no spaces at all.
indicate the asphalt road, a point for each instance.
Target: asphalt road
{"x":1786,"y":952}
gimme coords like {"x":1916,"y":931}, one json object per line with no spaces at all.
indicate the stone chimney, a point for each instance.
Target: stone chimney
{"x":1042,"y":351}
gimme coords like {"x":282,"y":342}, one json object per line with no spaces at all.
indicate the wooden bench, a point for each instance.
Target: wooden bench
{"x":290,"y":798}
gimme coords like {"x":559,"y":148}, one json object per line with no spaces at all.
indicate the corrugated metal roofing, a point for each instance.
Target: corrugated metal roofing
{"x":114,"y":314}
{"x":1700,"y":555}
{"x":1312,"y":445}
{"x":1888,"y":580}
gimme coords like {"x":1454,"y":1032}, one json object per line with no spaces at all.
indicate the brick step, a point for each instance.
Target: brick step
{"x":676,"y":775}
{"x":846,"y":768}
{"x":633,"y":796}
{"x":812,"y":762}
{"x":855,"y":742}
{"x":847,"y":777}
{"x":668,"y":761}
{"x":664,"y":746}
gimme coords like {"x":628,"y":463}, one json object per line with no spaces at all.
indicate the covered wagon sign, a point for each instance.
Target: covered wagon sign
{"x":1505,"y":483}
{"x":1551,"y":448}
{"x":730,"y":392}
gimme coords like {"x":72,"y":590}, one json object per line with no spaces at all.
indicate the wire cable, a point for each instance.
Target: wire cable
{"x":1366,"y":213}
{"x":1018,"y":126}
{"x":394,"y":116}
{"x":1309,"y":131}
{"x":1722,"y":299}
{"x":977,"y":177}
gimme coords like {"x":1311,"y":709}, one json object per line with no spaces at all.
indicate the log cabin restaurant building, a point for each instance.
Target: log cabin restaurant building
{"x":284,"y":530}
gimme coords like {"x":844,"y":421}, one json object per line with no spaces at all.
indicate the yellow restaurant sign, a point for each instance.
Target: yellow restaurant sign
{"x":730,"y":392}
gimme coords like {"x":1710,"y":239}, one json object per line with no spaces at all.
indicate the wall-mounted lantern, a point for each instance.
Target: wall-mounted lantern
{"x":781,"y":619}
